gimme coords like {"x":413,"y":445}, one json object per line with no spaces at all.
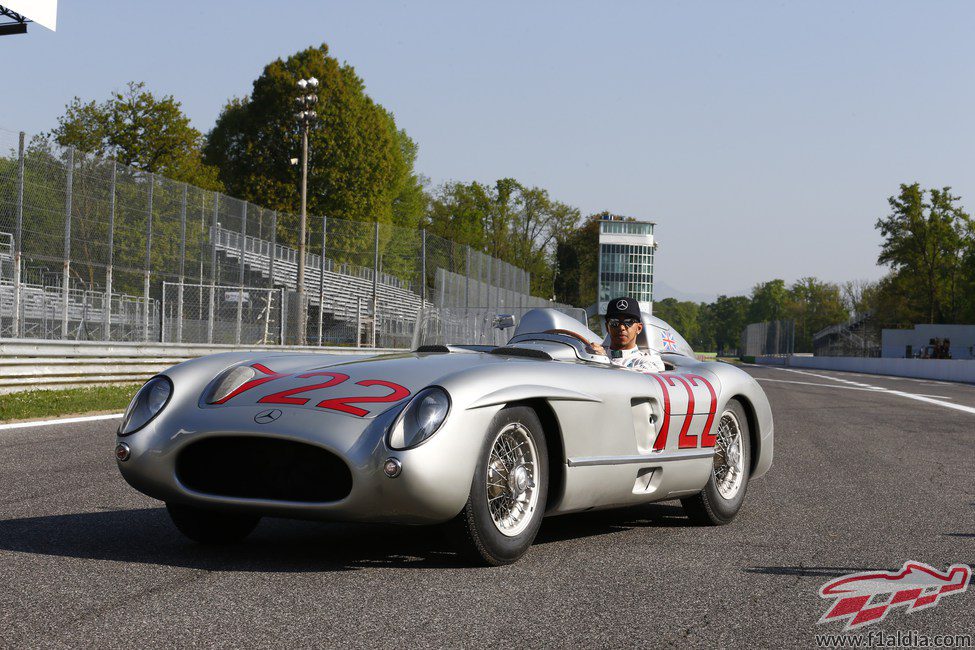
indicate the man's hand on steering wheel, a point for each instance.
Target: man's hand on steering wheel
{"x":591,"y":346}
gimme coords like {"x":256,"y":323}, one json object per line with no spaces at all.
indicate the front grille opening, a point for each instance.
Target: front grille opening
{"x":263,"y":468}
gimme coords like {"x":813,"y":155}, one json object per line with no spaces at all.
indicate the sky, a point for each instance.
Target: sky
{"x":763,"y":138}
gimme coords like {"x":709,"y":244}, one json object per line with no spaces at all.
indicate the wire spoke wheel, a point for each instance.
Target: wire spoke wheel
{"x":512,"y":494}
{"x":729,"y":469}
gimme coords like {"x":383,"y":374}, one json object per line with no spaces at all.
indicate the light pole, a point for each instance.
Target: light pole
{"x":307,"y":98}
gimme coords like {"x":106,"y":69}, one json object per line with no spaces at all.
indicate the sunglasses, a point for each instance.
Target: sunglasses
{"x":625,"y":322}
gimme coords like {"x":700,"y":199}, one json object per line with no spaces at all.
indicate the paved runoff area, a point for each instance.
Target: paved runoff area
{"x":869,"y":473}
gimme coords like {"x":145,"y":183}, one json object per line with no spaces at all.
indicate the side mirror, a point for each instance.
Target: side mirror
{"x":503,"y":321}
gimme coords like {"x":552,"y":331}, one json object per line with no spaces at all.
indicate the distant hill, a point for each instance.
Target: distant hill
{"x":663,"y":290}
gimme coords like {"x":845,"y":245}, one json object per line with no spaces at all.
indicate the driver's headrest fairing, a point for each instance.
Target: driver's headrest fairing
{"x":544,"y":319}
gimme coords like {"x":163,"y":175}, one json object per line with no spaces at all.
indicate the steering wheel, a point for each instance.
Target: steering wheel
{"x":574,"y":335}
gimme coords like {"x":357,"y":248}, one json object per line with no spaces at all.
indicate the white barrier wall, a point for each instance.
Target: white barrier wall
{"x":944,"y":369}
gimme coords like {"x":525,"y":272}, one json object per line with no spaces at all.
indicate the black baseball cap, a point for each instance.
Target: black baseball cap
{"x":624,"y":307}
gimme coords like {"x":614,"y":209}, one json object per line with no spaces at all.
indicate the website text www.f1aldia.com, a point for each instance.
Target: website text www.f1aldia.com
{"x":902,"y":639}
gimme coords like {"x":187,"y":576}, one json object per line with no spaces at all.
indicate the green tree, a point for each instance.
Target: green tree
{"x":360,"y":164}
{"x":859,"y":297}
{"x":576,"y":260}
{"x":924,"y":245}
{"x":768,"y":301}
{"x":138,"y":129}
{"x":516,"y":224}
{"x":813,"y":305}
{"x":684,"y":316}
{"x":728,"y":317}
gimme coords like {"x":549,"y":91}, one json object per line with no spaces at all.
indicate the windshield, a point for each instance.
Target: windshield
{"x":474,"y":326}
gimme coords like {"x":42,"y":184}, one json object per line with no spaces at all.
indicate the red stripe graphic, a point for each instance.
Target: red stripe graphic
{"x":661,"y":440}
{"x":685,"y":440}
{"x":708,"y":439}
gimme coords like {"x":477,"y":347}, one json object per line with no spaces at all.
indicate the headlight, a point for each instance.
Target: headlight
{"x":420,"y":419}
{"x":147,"y":403}
{"x":232,"y":380}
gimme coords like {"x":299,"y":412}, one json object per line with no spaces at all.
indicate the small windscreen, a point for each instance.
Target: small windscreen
{"x":474,"y":326}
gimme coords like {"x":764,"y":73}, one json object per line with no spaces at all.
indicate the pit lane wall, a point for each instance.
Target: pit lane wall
{"x":962,"y":370}
{"x":38,"y":364}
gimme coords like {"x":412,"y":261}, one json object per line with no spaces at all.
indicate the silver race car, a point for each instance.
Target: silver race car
{"x":489,"y":438}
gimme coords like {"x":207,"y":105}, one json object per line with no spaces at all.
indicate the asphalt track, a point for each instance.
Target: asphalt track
{"x":862,"y":479}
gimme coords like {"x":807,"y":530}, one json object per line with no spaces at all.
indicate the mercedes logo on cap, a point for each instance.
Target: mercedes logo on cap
{"x":622,"y":304}
{"x":268,"y":415}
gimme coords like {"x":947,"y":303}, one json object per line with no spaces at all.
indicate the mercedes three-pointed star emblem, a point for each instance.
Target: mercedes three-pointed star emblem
{"x":267,"y":415}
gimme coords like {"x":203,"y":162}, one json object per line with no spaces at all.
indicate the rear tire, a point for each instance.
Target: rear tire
{"x":211,"y":527}
{"x":508,"y":492}
{"x":721,"y":499}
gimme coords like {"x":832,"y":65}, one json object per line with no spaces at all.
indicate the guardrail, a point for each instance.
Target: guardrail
{"x":26,"y":365}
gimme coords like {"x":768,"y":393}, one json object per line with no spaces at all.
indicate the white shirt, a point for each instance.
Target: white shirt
{"x":638,"y":360}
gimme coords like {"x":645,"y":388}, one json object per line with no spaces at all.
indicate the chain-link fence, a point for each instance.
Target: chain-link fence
{"x":777,"y":337}
{"x":93,"y":250}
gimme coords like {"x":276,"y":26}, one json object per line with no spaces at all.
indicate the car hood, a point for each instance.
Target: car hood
{"x":357,"y":387}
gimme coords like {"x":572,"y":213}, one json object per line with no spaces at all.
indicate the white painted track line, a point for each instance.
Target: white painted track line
{"x":879,"y":389}
{"x":41,"y":423}
{"x":814,"y":383}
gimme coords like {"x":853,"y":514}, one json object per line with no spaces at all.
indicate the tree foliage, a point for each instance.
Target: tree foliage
{"x":813,"y":305}
{"x":510,"y":221}
{"x":927,"y":241}
{"x":140,"y":130}
{"x":768,"y":301}
{"x":360,"y":165}
{"x":577,"y":260}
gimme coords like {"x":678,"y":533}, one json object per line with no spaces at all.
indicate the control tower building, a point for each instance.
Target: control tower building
{"x":626,"y":248}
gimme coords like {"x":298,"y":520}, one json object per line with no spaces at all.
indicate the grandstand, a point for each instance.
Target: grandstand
{"x":858,"y":337}
{"x":347,"y":287}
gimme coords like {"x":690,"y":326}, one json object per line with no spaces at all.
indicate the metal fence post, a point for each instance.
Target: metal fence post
{"x":283,"y":315}
{"x":490,"y":275}
{"x":467,"y":276}
{"x":213,"y":263}
{"x":18,"y":235}
{"x":67,"y":245}
{"x":182,"y":267}
{"x":375,"y":283}
{"x":321,"y":280}
{"x":109,"y":270}
{"x":420,"y":322}
{"x":202,"y":251}
{"x":240,"y":275}
{"x":162,"y":316}
{"x":148,"y":261}
{"x":274,"y":247}
{"x":358,"y":321}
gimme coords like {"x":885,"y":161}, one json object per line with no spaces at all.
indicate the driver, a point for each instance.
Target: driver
{"x":624,"y":322}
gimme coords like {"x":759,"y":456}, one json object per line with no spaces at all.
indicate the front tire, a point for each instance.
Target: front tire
{"x":508,"y":492}
{"x":720,"y":500}
{"x":211,"y":527}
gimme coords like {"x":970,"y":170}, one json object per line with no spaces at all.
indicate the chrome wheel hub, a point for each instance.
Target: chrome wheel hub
{"x":511,"y":494}
{"x":729,"y":470}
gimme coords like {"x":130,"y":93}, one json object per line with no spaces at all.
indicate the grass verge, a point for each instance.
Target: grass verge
{"x":33,"y":404}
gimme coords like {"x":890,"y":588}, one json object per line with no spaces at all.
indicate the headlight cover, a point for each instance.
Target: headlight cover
{"x":229,"y":383}
{"x":147,"y":403}
{"x":421,"y":418}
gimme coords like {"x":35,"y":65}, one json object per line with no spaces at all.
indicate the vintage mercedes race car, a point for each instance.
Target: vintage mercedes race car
{"x":489,"y":438}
